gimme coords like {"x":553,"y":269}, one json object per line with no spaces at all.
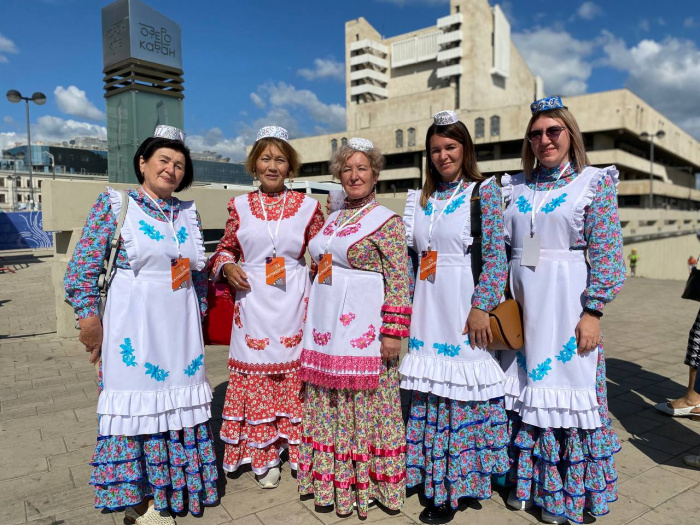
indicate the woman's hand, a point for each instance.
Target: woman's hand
{"x":236,"y":277}
{"x":587,"y":333}
{"x":479,"y":328}
{"x":390,"y":348}
{"x":91,"y":336}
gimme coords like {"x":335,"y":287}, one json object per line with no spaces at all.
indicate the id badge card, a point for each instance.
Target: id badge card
{"x":325,"y":269}
{"x":531,"y":250}
{"x":428,"y":266}
{"x":180,"y":271}
{"x":275,"y":273}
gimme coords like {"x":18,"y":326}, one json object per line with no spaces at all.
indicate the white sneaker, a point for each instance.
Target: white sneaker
{"x":518,"y":504}
{"x":271,"y":479}
{"x":548,"y":517}
{"x":155,"y":517}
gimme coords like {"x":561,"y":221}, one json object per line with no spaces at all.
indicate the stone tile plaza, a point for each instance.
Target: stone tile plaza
{"x":48,"y":396}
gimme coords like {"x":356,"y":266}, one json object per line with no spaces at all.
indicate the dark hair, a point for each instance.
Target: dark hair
{"x":152,"y":144}
{"x":470,"y":171}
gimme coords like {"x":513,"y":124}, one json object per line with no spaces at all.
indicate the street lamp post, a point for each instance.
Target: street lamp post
{"x":646,"y":135}
{"x":38,"y":98}
{"x":53,"y":164}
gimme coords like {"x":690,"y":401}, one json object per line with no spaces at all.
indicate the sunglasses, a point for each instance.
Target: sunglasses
{"x":552,"y":134}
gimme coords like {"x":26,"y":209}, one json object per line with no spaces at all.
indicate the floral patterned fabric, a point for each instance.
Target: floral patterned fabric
{"x":567,"y":470}
{"x":601,"y":235}
{"x":353,"y":446}
{"x":454,"y":447}
{"x":85,"y":266}
{"x":262,"y":414}
{"x":127,"y":469}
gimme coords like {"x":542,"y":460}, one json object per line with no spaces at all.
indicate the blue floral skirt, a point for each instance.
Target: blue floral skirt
{"x":567,"y":470}
{"x":454,"y":447}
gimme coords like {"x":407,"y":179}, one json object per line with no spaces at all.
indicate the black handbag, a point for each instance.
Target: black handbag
{"x":692,"y":286}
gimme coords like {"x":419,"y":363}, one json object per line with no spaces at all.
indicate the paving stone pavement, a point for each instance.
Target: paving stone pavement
{"x":48,"y":394}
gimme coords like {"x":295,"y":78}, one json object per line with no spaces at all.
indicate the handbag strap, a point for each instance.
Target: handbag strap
{"x":105,"y":279}
{"x":476,"y":247}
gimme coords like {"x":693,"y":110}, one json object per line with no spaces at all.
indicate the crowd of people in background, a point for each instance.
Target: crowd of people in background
{"x":314,"y":369}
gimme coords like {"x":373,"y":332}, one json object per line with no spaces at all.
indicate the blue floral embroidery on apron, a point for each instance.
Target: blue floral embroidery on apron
{"x":150,"y":231}
{"x":567,"y":351}
{"x":454,"y":205}
{"x":181,"y":235}
{"x":523,"y":204}
{"x":520,"y":357}
{"x":128,"y":353}
{"x":554,"y":203}
{"x":156,"y":372}
{"x":195,"y":365}
{"x":448,"y":350}
{"x":415,"y":343}
{"x":428,"y":210}
{"x":542,"y":370}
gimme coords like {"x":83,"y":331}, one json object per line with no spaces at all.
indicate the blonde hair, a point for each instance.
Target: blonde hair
{"x":287,"y":150}
{"x":577,"y":150}
{"x":470,"y":171}
{"x":340,"y":158}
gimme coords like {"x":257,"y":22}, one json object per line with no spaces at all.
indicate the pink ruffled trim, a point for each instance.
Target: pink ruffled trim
{"x":397,"y":309}
{"x":374,"y":451}
{"x":340,"y":371}
{"x":394,"y":331}
{"x":330,"y":380}
{"x":396,"y":319}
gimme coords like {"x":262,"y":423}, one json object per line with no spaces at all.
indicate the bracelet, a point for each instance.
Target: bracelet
{"x":595,"y":313}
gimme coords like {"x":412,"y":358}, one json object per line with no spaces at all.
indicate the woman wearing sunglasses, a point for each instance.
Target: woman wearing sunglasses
{"x":562,"y":226}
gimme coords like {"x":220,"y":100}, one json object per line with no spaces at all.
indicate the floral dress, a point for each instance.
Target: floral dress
{"x":353,"y":446}
{"x":457,"y":429}
{"x":562,"y":440}
{"x":263,"y":405}
{"x":166,"y":453}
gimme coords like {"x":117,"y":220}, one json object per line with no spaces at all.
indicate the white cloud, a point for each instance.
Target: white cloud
{"x":324,"y":68}
{"x":73,"y":101}
{"x":50,"y":129}
{"x":558,"y":58}
{"x":7,"y":46}
{"x":8,"y":139}
{"x":689,"y":22}
{"x":214,"y":140}
{"x":255,"y":98}
{"x":666,"y":74}
{"x":589,"y":11}
{"x":644,"y":25}
{"x":7,"y":119}
{"x":283,"y":95}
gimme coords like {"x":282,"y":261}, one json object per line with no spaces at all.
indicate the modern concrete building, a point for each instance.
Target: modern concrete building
{"x":467,"y":61}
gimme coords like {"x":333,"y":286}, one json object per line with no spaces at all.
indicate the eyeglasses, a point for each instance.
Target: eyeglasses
{"x":552,"y":134}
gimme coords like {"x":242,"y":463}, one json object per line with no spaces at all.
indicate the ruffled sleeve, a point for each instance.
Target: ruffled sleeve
{"x":85,"y":266}
{"x":409,"y":216}
{"x":390,"y":240}
{"x":190,"y":209}
{"x":229,"y":249}
{"x":601,"y":232}
{"x":595,"y":175}
{"x":508,"y":187}
{"x":494,"y":271}
{"x":127,"y":242}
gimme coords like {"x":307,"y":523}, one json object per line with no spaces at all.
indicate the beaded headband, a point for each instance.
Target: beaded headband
{"x":359,"y":144}
{"x":276,"y":132}
{"x":169,"y":132}
{"x":445,"y":118}
{"x":545,"y":104}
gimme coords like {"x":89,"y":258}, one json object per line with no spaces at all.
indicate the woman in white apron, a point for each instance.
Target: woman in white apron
{"x":564,"y":232}
{"x":457,"y":414}
{"x":262,"y":257}
{"x":353,"y":446}
{"x":154,"y":405}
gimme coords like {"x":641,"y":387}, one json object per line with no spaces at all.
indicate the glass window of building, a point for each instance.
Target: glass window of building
{"x":479,"y":128}
{"x":399,"y":138}
{"x":344,"y":141}
{"x":2,"y":198}
{"x":334,"y":145}
{"x":495,"y":126}
{"x":411,"y":136}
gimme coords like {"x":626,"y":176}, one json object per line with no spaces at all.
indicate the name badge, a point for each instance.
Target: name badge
{"x":180,"y":271}
{"x":428,"y":266}
{"x":275,"y":273}
{"x":531,"y":251}
{"x":325,"y":269}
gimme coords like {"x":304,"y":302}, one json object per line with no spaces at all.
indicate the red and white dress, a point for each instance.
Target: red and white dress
{"x":262,"y":411}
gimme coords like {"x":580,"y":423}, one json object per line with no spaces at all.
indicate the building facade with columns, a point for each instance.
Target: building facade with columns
{"x":468,"y":62}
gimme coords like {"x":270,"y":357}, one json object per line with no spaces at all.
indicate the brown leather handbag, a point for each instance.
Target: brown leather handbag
{"x":507,"y":318}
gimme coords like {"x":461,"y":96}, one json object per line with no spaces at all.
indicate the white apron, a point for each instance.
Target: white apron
{"x":152,"y":351}
{"x":341,"y":334}
{"x":268,"y":320}
{"x":440,"y":359}
{"x":548,"y":382}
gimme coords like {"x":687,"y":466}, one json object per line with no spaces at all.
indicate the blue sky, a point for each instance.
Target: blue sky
{"x":251,"y":63}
